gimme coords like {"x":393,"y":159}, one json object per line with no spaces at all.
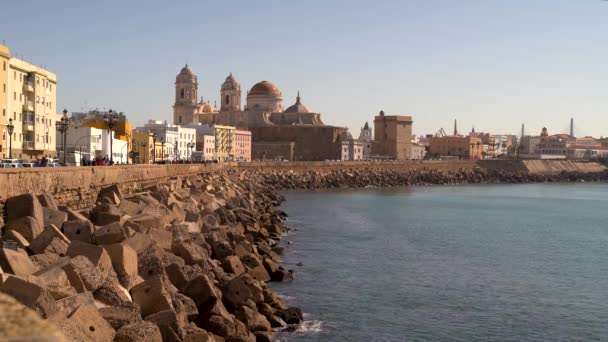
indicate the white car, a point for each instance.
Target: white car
{"x":52,"y":165}
{"x":27,"y":164}
{"x":12,"y":162}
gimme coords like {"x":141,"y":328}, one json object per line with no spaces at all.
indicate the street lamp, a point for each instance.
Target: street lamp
{"x":10,"y":127}
{"x":162,"y":144}
{"x":62,"y":126}
{"x":190,"y":147}
{"x":110,"y":121}
{"x":153,"y":134}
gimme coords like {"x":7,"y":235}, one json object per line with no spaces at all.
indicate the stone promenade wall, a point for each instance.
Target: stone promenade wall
{"x":78,"y":186}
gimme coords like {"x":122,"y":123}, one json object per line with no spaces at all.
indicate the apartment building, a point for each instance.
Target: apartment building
{"x":28,"y":97}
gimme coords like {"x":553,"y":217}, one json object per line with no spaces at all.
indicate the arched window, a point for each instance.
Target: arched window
{"x":180,"y":119}
{"x":182,"y":93}
{"x":227,"y":99}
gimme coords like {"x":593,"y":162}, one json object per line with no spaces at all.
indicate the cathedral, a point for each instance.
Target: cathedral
{"x":295,"y":133}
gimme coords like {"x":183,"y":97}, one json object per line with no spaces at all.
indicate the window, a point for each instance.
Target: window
{"x":227,"y":99}
{"x":3,"y":111}
{"x":3,"y":65}
{"x":4,"y":88}
{"x":182,"y":93}
{"x":15,"y":75}
{"x":15,"y":95}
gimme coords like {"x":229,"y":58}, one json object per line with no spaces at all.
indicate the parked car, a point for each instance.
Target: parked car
{"x":12,"y":162}
{"x":53,"y":165}
{"x":6,"y":166}
{"x":27,"y":164}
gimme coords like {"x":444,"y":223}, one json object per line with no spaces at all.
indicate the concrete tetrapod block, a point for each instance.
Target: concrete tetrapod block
{"x":54,"y":217}
{"x":45,"y":240}
{"x":232,"y":264}
{"x":13,"y":235}
{"x":23,"y":205}
{"x":124,"y":261}
{"x":30,"y":293}
{"x":67,"y":305}
{"x":96,"y":254}
{"x":152,"y":296}
{"x":79,"y":231}
{"x":27,"y":226}
{"x":139,"y":332}
{"x":90,"y":321}
{"x":111,"y":233}
{"x":16,"y":262}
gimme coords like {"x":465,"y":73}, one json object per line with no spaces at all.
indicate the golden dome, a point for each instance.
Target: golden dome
{"x":265,"y":88}
{"x":208,"y":108}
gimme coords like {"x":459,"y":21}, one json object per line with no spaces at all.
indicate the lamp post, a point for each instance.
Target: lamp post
{"x":162,"y":144}
{"x":191,"y":146}
{"x":110,"y":120}
{"x":153,"y":134}
{"x":62,"y":126}
{"x":10,"y":127}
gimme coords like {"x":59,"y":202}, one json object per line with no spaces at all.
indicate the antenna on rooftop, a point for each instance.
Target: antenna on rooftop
{"x":572,"y":127}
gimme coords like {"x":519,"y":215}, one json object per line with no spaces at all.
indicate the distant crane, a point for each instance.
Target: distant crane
{"x":440,"y":133}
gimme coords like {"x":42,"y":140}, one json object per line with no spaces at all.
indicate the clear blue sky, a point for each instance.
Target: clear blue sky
{"x":490,"y":63}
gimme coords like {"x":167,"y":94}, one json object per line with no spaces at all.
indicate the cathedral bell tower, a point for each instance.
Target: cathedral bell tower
{"x":186,"y":88}
{"x":231,"y":95}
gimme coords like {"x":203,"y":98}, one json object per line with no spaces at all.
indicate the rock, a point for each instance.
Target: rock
{"x":56,"y":281}
{"x":258,"y":273}
{"x":196,"y":334}
{"x":67,"y":305}
{"x":161,"y":236}
{"x":105,"y":213}
{"x":53,"y":217}
{"x":189,"y":306}
{"x":152,"y":296}
{"x":252,"y":319}
{"x":220,"y":325}
{"x":139,"y":332}
{"x":74,"y":215}
{"x":139,"y":242}
{"x":79,"y":231}
{"x":202,"y":291}
{"x":124,"y":262}
{"x":29,"y":292}
{"x":109,"y":234}
{"x":232,"y":264}
{"x":27,"y":226}
{"x":236,"y":293}
{"x":191,"y":253}
{"x":120,"y":316}
{"x":20,"y":323}
{"x":148,"y":221}
{"x":150,"y":262}
{"x":92,"y":323}
{"x":47,"y":200}
{"x":291,"y":315}
{"x":111,"y":194}
{"x":129,"y":207}
{"x":16,"y":262}
{"x":50,"y":240}
{"x":169,"y":324}
{"x":22,"y":206}
{"x":262,"y":336}
{"x":83,"y":274}
{"x":13,"y":235}
{"x":112,"y":293}
{"x":96,"y":254}
{"x":276,"y":321}
{"x":222,"y":249}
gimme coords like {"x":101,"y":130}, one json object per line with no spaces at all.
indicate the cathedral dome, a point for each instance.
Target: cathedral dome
{"x":298,"y":107}
{"x":346,"y":136}
{"x":265,"y":88}
{"x":208,"y":108}
{"x":186,"y":75}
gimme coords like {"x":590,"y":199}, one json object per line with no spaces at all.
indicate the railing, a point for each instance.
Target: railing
{"x":29,"y":85}
{"x":28,"y":118}
{"x":28,"y":144}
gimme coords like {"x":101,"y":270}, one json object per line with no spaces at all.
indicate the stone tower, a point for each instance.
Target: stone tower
{"x":186,"y":88}
{"x":366,"y":138}
{"x":231,"y":95}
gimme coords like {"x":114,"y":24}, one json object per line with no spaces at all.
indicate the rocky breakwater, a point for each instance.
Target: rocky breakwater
{"x":187,"y":260}
{"x":379,"y":177}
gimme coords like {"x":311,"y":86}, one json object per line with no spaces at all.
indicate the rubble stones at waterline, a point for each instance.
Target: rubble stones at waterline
{"x":184,"y":261}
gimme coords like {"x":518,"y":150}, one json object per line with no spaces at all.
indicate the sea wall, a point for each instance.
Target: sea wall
{"x":77,"y":187}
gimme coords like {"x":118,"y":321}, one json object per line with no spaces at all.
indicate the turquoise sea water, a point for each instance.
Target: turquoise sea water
{"x":450,"y":263}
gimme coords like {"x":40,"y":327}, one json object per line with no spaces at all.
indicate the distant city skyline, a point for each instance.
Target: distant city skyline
{"x":491,"y":65}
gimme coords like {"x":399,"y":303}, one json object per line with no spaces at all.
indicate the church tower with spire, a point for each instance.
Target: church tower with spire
{"x":231,"y":95}
{"x":186,"y":88}
{"x":366,"y":138}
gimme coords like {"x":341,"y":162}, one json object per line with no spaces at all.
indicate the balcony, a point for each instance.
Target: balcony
{"x":28,"y":121}
{"x":28,"y":106}
{"x":28,"y":145}
{"x":28,"y":86}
